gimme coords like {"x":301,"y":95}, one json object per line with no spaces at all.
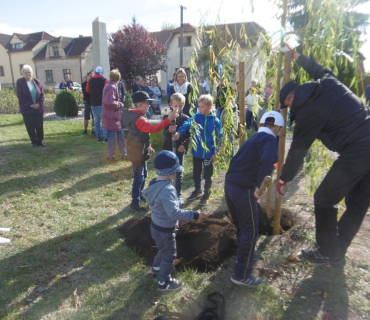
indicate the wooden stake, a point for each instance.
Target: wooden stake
{"x":241,"y":104}
{"x":287,"y":67}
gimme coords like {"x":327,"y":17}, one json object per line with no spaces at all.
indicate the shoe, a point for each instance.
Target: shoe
{"x":41,"y":144}
{"x":105,"y":141}
{"x":251,"y":281}
{"x":195,"y":195}
{"x":137,"y":208}
{"x":169,"y":285}
{"x":205,"y":198}
{"x":143,"y":198}
{"x":33,"y":145}
{"x":256,"y":255}
{"x":99,"y":140}
{"x":84,"y":132}
{"x":315,"y":256}
{"x":180,"y":200}
{"x":154,"y":270}
{"x":112,"y":159}
{"x":124,"y":158}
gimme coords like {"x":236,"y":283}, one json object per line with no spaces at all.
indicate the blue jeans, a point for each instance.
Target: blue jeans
{"x":97,"y":113}
{"x":115,"y":137}
{"x":218,"y":112}
{"x":249,"y":118}
{"x":140,"y":172}
{"x":165,"y":258}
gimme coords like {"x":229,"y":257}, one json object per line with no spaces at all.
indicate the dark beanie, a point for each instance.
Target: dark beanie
{"x":284,"y":92}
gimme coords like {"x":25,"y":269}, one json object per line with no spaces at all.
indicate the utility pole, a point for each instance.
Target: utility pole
{"x":181,"y":35}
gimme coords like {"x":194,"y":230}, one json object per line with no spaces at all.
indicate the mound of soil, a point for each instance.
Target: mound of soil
{"x":200,"y":245}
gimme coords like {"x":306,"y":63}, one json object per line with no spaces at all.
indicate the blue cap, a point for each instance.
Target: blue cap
{"x":167,"y":163}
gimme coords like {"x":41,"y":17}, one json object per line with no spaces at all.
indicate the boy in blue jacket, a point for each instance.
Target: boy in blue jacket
{"x":206,"y":135}
{"x":161,"y":197}
{"x":252,"y":163}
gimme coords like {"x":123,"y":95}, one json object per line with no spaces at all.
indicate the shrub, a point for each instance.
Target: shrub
{"x":128,"y":104}
{"x":49,"y":99}
{"x":8,"y":101}
{"x":65,"y":104}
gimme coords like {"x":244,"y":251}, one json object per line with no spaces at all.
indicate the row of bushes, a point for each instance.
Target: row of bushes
{"x":9,"y":100}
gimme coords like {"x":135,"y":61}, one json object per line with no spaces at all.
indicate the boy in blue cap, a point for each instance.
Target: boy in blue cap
{"x":161,"y":197}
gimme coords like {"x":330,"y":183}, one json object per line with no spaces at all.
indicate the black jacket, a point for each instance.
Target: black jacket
{"x":96,"y":86}
{"x":183,"y":140}
{"x":327,"y":110}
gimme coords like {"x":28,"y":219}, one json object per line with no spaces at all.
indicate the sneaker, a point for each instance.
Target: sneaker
{"x":315,"y":256}
{"x":105,"y":141}
{"x":112,"y":159}
{"x":84,"y":132}
{"x":33,"y":145}
{"x":137,"y":208}
{"x":99,"y":140}
{"x":180,"y":200}
{"x":169,"y":285}
{"x":41,"y":144}
{"x":143,"y":198}
{"x":251,"y":281}
{"x":195,"y":195}
{"x":124,"y":158}
{"x":154,"y":270}
{"x":205,"y":198}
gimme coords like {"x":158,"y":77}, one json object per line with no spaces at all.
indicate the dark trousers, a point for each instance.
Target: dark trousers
{"x":206,"y":166}
{"x":243,"y":208}
{"x":250,"y":120}
{"x":165,"y":258}
{"x":35,"y":126}
{"x":348,"y":178}
{"x":140,"y":172}
{"x":179,"y":175}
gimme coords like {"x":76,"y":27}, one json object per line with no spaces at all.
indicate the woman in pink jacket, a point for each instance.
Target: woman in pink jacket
{"x":112,"y":107}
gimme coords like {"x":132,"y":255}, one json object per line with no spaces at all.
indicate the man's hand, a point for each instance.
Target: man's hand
{"x":151,"y":151}
{"x":213,"y":158}
{"x":172,"y":128}
{"x":172,"y":115}
{"x":35,"y":106}
{"x":287,"y":48}
{"x":176,"y":136}
{"x":282,"y":187}
{"x":181,"y":148}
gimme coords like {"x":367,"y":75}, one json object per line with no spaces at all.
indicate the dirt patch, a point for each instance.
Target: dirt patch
{"x":200,"y":245}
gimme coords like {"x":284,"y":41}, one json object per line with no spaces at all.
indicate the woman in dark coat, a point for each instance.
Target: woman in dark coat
{"x":181,"y":85}
{"x":31,"y":105}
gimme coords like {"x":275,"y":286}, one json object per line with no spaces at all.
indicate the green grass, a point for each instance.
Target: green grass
{"x":64,"y":203}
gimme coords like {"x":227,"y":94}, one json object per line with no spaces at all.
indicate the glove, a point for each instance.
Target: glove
{"x":287,"y":48}
{"x":282,"y":187}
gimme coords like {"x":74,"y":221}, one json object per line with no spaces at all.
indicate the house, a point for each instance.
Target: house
{"x":247,"y":35}
{"x":62,"y":57}
{"x":20,"y":50}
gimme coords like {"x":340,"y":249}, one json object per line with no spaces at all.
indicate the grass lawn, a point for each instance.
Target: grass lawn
{"x":66,"y":260}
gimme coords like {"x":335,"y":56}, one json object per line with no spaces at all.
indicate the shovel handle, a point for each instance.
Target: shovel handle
{"x":265,"y":183}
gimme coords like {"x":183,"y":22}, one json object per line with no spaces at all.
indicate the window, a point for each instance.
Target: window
{"x":20,"y":68}
{"x":186,"y":41}
{"x":17,"y":45}
{"x":67,"y":73}
{"x":1,"y":71}
{"x":49,"y":75}
{"x":55,"y":51}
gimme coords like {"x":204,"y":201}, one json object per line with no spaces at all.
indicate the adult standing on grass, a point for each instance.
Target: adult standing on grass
{"x":31,"y":105}
{"x":95,"y":87}
{"x":326,"y":109}
{"x":112,"y":120}
{"x":87,"y":112}
{"x":181,"y":85}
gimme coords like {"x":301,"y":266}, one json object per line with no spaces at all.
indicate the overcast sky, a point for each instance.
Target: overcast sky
{"x":74,"y":18}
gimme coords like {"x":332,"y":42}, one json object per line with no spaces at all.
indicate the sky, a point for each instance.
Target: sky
{"x":74,"y":18}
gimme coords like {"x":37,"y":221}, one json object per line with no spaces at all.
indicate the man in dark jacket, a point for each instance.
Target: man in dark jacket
{"x":327,"y":110}
{"x":95,"y":87}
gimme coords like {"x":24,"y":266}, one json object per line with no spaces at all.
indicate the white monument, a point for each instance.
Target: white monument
{"x":100,"y":46}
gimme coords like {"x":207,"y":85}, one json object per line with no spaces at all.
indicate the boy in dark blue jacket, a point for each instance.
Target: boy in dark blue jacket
{"x":206,"y":135}
{"x":253,"y":162}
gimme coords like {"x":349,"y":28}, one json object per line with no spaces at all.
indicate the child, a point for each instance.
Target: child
{"x":177,"y":102}
{"x":162,"y":199}
{"x":207,"y":136}
{"x":138,"y":143}
{"x":254,"y":160}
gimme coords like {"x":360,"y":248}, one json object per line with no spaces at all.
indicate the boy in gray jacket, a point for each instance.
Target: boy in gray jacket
{"x":161,"y":197}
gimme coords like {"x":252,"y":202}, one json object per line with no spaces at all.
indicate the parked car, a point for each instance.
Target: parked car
{"x":76,"y":87}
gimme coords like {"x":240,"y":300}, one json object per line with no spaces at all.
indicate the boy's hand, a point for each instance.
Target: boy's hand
{"x":176,"y":136}
{"x":257,"y":196}
{"x":172,"y":128}
{"x":181,"y":148}
{"x":151,"y":151}
{"x":282,"y":187}
{"x":213,"y":158}
{"x":201,"y":216}
{"x":172,"y":115}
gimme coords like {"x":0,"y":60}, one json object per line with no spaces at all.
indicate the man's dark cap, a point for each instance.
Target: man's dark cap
{"x":284,"y":92}
{"x":140,"y":96}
